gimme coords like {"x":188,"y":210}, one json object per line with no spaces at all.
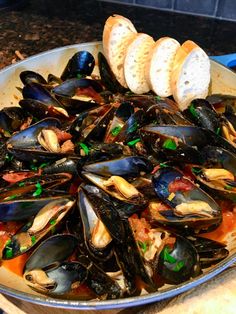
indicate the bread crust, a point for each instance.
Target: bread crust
{"x":111,"y":26}
{"x":154,"y":69}
{"x":183,"y":54}
{"x":135,"y":63}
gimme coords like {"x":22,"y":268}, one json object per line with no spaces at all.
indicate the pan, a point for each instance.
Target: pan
{"x":54,"y":61}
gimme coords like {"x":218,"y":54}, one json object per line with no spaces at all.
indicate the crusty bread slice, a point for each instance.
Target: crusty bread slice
{"x":136,"y":58}
{"x":118,"y":33}
{"x":190,"y":76}
{"x":159,"y":66}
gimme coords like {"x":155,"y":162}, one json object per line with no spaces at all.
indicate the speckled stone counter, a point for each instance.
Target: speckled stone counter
{"x":46,"y":24}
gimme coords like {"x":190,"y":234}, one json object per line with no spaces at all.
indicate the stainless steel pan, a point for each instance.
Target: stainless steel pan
{"x":54,"y":61}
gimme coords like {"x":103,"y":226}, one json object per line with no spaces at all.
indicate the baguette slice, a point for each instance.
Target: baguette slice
{"x":118,"y":33}
{"x":190,"y":76}
{"x":136,"y":58}
{"x":160,"y":64}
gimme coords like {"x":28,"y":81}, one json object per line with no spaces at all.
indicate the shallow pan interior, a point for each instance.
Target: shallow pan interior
{"x":54,"y":61}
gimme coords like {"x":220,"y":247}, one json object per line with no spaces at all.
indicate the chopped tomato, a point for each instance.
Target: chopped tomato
{"x":62,"y":136}
{"x":14,"y":177}
{"x":140,"y":228}
{"x":180,"y":185}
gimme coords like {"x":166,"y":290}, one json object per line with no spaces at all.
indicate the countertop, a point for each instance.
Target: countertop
{"x":45,"y":24}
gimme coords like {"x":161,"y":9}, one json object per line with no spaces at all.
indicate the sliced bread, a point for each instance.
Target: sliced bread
{"x":190,"y":76}
{"x":136,"y":58}
{"x":118,"y":33}
{"x":160,"y":64}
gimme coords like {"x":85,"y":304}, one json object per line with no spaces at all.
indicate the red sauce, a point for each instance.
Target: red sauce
{"x":228,"y":222}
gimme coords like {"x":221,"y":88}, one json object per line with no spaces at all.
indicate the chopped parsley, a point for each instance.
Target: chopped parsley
{"x":52,"y":222}
{"x":84,"y":148}
{"x":192,"y":110}
{"x":165,"y":255}
{"x":157,"y":97}
{"x":218,"y":131}
{"x":163,"y":165}
{"x":20,"y":184}
{"x":38,"y":190}
{"x":169,"y":144}
{"x":11,"y":197}
{"x":134,"y":142}
{"x":179,"y":265}
{"x":9,"y":157}
{"x":33,"y":239}
{"x":43,"y":165}
{"x":196,"y":170}
{"x":143,"y":246}
{"x":116,"y":130}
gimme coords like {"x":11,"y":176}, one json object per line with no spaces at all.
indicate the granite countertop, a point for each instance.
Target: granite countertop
{"x":46,"y":24}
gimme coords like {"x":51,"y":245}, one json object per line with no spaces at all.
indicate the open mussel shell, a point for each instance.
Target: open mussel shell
{"x":56,"y":280}
{"x":210,"y":252}
{"x":23,"y":208}
{"x":25,"y":145}
{"x":118,"y":188}
{"x":165,"y":113}
{"x":28,"y":77}
{"x":178,"y":260}
{"x":38,"y":92}
{"x":51,"y":251}
{"x":81,"y":63}
{"x":218,"y":173}
{"x":97,"y":237}
{"x":170,"y":143}
{"x":131,"y":166}
{"x":189,"y":135}
{"x":12,"y":118}
{"x":103,"y":208}
{"x":37,"y":185}
{"x":121,"y":115}
{"x":47,"y":218}
{"x":91,"y":125}
{"x":41,"y":110}
{"x":189,"y":206}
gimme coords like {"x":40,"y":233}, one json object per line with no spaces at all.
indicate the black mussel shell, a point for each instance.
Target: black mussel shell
{"x":82,"y":63}
{"x":28,"y":77}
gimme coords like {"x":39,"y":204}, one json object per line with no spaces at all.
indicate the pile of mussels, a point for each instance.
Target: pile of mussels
{"x":111,"y":190}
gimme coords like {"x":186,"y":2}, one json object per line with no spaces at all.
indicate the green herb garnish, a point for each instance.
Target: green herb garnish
{"x":33,"y":239}
{"x":53,"y":222}
{"x":84,"y":148}
{"x":157,"y":98}
{"x":192,"y":110}
{"x":20,"y":184}
{"x":116,"y":130}
{"x":9,"y":157}
{"x":169,"y":144}
{"x":165,"y":255}
{"x":9,"y":253}
{"x":163,"y":165}
{"x":134,"y":142}
{"x":33,"y":167}
{"x":143,"y":246}
{"x":196,"y":170}
{"x":11,"y":197}
{"x":218,"y":131}
{"x":79,"y":76}
{"x":43,"y":165}
{"x":179,"y":265}
{"x":39,"y":189}
{"x":228,"y":187}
